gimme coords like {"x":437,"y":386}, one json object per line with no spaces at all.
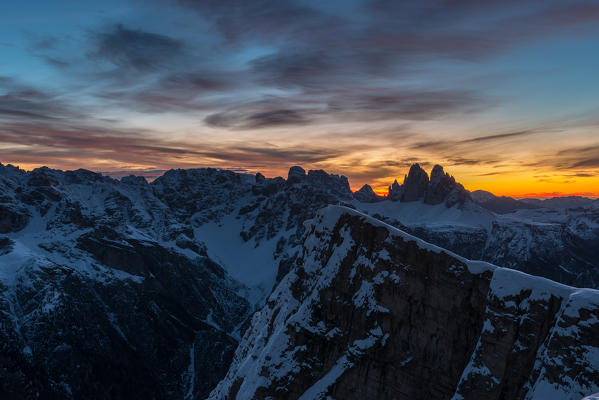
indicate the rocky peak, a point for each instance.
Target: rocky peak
{"x":439,"y":187}
{"x":437,"y":173}
{"x":367,"y":195}
{"x":260,"y":178}
{"x":84,"y":176}
{"x":320,"y":180}
{"x":134,"y":180}
{"x":42,"y":176}
{"x":395,"y":191}
{"x":296,"y":174}
{"x":10,"y":170}
{"x":337,"y":185}
{"x":415,"y":184}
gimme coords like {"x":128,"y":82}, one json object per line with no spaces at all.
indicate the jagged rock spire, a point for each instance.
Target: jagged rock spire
{"x":415,"y":184}
{"x":395,"y":191}
{"x":441,"y":187}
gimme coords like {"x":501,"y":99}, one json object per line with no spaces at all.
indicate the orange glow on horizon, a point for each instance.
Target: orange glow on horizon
{"x":383,"y":191}
{"x":511,"y":184}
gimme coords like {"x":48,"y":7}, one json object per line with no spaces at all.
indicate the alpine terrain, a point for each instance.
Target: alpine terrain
{"x":207,"y":283}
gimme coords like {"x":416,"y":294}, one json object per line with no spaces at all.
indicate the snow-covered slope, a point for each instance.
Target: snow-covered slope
{"x":181,"y":263}
{"x":372,"y":312}
{"x":560,"y":244}
{"x":97,"y":274}
{"x":104,"y":294}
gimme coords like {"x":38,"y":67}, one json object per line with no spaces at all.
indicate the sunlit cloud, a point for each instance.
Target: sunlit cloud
{"x":363,"y":88}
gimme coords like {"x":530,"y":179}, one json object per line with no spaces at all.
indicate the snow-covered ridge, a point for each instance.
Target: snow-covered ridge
{"x":215,"y":242}
{"x":357,"y":281}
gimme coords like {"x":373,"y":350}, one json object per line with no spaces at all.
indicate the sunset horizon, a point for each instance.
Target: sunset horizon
{"x":360,"y":88}
{"x":299,"y":199}
{"x":497,"y":187}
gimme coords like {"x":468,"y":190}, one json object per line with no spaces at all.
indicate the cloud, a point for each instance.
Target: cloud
{"x":381,"y":70}
{"x":582,"y":175}
{"x":360,"y":105}
{"x":240,"y":20}
{"x":22,"y":102}
{"x":458,"y":145}
{"x":264,"y":119}
{"x":581,"y":159}
{"x":500,"y":136}
{"x":396,"y":104}
{"x":135,"y":49}
{"x":65,"y":145}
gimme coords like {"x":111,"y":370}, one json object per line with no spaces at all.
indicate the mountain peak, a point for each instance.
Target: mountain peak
{"x":415,"y":184}
{"x":367,"y":195}
{"x":441,"y":187}
{"x":296,"y":174}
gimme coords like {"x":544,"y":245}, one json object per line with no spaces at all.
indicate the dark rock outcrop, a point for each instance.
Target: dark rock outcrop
{"x":395,"y":191}
{"x":296,"y":174}
{"x":336,"y":185}
{"x":134,"y":180}
{"x":415,"y":184}
{"x":367,"y":195}
{"x":123,"y":267}
{"x":141,"y":336}
{"x":440,"y":186}
{"x":12,"y":219}
{"x":371,"y":312}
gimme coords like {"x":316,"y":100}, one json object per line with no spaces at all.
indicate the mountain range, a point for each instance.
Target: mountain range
{"x":207,"y":283}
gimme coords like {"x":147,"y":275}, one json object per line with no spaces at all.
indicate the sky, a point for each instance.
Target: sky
{"x":503,"y":93}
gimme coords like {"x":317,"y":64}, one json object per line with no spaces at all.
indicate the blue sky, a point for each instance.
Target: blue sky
{"x":497,"y":91}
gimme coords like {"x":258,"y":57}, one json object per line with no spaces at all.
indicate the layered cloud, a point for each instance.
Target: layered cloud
{"x":359,"y":87}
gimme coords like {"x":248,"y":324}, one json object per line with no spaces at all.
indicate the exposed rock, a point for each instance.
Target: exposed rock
{"x":371,"y":312}
{"x":84,"y":176}
{"x":367,"y":195}
{"x":145,"y":333}
{"x":395,"y":191}
{"x":440,"y":186}
{"x":481,"y":196}
{"x":12,"y":220}
{"x":414,"y":184}
{"x":5,"y":245}
{"x":134,"y":180}
{"x":128,"y":267}
{"x":504,"y":205}
{"x":296,"y":174}
{"x":43,"y":176}
{"x":337,"y":185}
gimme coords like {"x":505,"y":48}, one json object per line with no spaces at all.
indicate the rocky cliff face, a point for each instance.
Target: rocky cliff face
{"x":108,"y":289}
{"x":371,"y":312}
{"x":440,"y":188}
{"x":561,"y":246}
{"x":110,"y":286}
{"x":104,"y":294}
{"x":415,"y":184}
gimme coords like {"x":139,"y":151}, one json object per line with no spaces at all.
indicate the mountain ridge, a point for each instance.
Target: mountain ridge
{"x":279,"y":355}
{"x":74,"y":243}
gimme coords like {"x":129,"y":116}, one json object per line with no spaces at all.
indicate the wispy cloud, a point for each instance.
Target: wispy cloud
{"x":135,"y":49}
{"x":361,"y":87}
